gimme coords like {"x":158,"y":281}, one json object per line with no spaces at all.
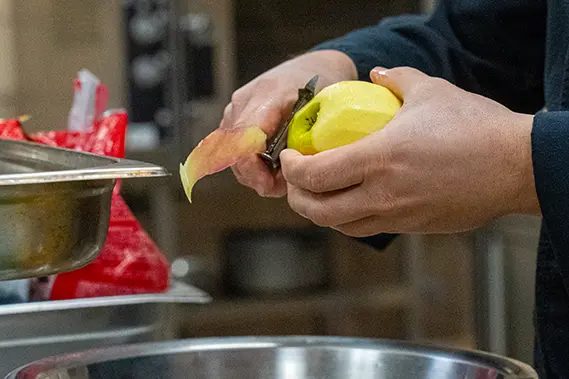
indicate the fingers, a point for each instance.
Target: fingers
{"x":331,"y":208}
{"x":226,"y":121}
{"x":259,"y":107}
{"x":401,"y":81}
{"x":330,"y":170}
{"x":256,"y":175}
{"x":263,"y":114}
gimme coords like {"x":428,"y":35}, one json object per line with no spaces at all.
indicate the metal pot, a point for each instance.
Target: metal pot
{"x":278,"y":358}
{"x":275,"y":261}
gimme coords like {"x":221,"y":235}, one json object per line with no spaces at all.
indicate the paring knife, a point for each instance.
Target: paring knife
{"x":279,"y":141}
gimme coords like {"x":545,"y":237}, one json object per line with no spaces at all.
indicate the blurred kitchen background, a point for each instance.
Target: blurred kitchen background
{"x":174,"y":65}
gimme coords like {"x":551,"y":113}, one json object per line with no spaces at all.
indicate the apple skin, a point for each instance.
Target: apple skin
{"x":341,"y":114}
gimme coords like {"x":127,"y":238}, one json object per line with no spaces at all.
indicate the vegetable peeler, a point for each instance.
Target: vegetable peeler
{"x":279,"y":141}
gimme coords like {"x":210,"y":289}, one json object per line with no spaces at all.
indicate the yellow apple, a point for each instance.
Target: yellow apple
{"x":341,"y":114}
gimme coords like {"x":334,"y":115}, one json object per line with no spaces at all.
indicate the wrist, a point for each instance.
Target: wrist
{"x":525,"y":200}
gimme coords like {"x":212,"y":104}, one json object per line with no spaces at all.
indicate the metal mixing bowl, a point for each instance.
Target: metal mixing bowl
{"x":278,"y":358}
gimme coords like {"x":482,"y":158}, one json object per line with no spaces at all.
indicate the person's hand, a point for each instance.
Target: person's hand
{"x":267,"y":100}
{"x":449,"y":161}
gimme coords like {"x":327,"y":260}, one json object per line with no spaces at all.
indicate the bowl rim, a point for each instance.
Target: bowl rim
{"x":507,"y":368}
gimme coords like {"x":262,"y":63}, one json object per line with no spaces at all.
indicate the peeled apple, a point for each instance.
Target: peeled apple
{"x":338,"y":115}
{"x":341,"y":114}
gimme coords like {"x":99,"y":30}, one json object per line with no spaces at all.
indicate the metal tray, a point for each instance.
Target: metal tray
{"x":32,"y":331}
{"x":55,"y":206}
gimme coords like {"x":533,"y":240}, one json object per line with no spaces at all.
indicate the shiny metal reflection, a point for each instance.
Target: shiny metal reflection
{"x":280,"y":358}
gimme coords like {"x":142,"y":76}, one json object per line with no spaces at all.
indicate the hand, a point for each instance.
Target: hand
{"x":268,"y":99}
{"x":449,"y":161}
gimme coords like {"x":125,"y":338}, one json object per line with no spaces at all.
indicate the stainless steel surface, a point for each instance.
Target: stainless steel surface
{"x":277,"y":357}
{"x":33,"y":331}
{"x":506,"y":261}
{"x":491,"y":290}
{"x":55,"y":206}
{"x":23,"y":162}
{"x":497,"y":301}
{"x":279,"y":141}
{"x":414,"y":253}
{"x":520,"y":236}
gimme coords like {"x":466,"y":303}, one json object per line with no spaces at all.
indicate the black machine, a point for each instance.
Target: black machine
{"x":169,"y":62}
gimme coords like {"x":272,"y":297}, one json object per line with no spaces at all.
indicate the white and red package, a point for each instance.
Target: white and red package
{"x":130,"y":262}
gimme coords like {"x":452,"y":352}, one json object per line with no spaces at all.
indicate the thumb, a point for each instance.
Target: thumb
{"x":400,"y":81}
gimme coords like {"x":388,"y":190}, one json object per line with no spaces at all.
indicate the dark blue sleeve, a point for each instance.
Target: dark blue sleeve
{"x":550,"y":154}
{"x":380,"y":241}
{"x":491,"y":47}
{"x":495,"y":48}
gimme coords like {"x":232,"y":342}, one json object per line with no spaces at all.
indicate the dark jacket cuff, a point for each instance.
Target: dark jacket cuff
{"x":550,"y":154}
{"x":380,"y":241}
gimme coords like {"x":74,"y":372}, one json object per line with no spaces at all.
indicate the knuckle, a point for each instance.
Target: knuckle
{"x":316,"y":179}
{"x":376,"y":164}
{"x":262,"y":191}
{"x":433,"y":84}
{"x":403,"y":70}
{"x":424,"y":88}
{"x":385,"y":204}
{"x":386,"y":207}
{"x":437,"y":82}
{"x":396,"y":71}
{"x":318,"y":215}
{"x":266,"y":83}
{"x":406,"y":69}
{"x":227,"y":109}
{"x":295,"y":173}
{"x":287,"y":170}
{"x":227,"y":113}
{"x":237,"y":96}
{"x":294,"y":204}
{"x":241,"y":179}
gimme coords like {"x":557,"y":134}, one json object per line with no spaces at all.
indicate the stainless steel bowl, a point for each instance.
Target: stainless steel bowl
{"x":55,"y":205}
{"x":32,"y":331}
{"x":278,"y":358}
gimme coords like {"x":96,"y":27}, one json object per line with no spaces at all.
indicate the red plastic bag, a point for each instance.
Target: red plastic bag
{"x":11,"y":129}
{"x":130,"y":262}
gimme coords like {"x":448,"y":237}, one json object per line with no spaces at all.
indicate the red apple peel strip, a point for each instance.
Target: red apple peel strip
{"x":219,"y":150}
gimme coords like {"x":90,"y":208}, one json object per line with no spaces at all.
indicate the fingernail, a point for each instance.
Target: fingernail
{"x":378,"y":73}
{"x":285,"y":152}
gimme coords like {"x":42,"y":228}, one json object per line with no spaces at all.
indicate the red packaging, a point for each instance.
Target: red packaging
{"x":11,"y":129}
{"x":130,"y":262}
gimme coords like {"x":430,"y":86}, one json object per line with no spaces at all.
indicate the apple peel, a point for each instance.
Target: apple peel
{"x":219,"y":150}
